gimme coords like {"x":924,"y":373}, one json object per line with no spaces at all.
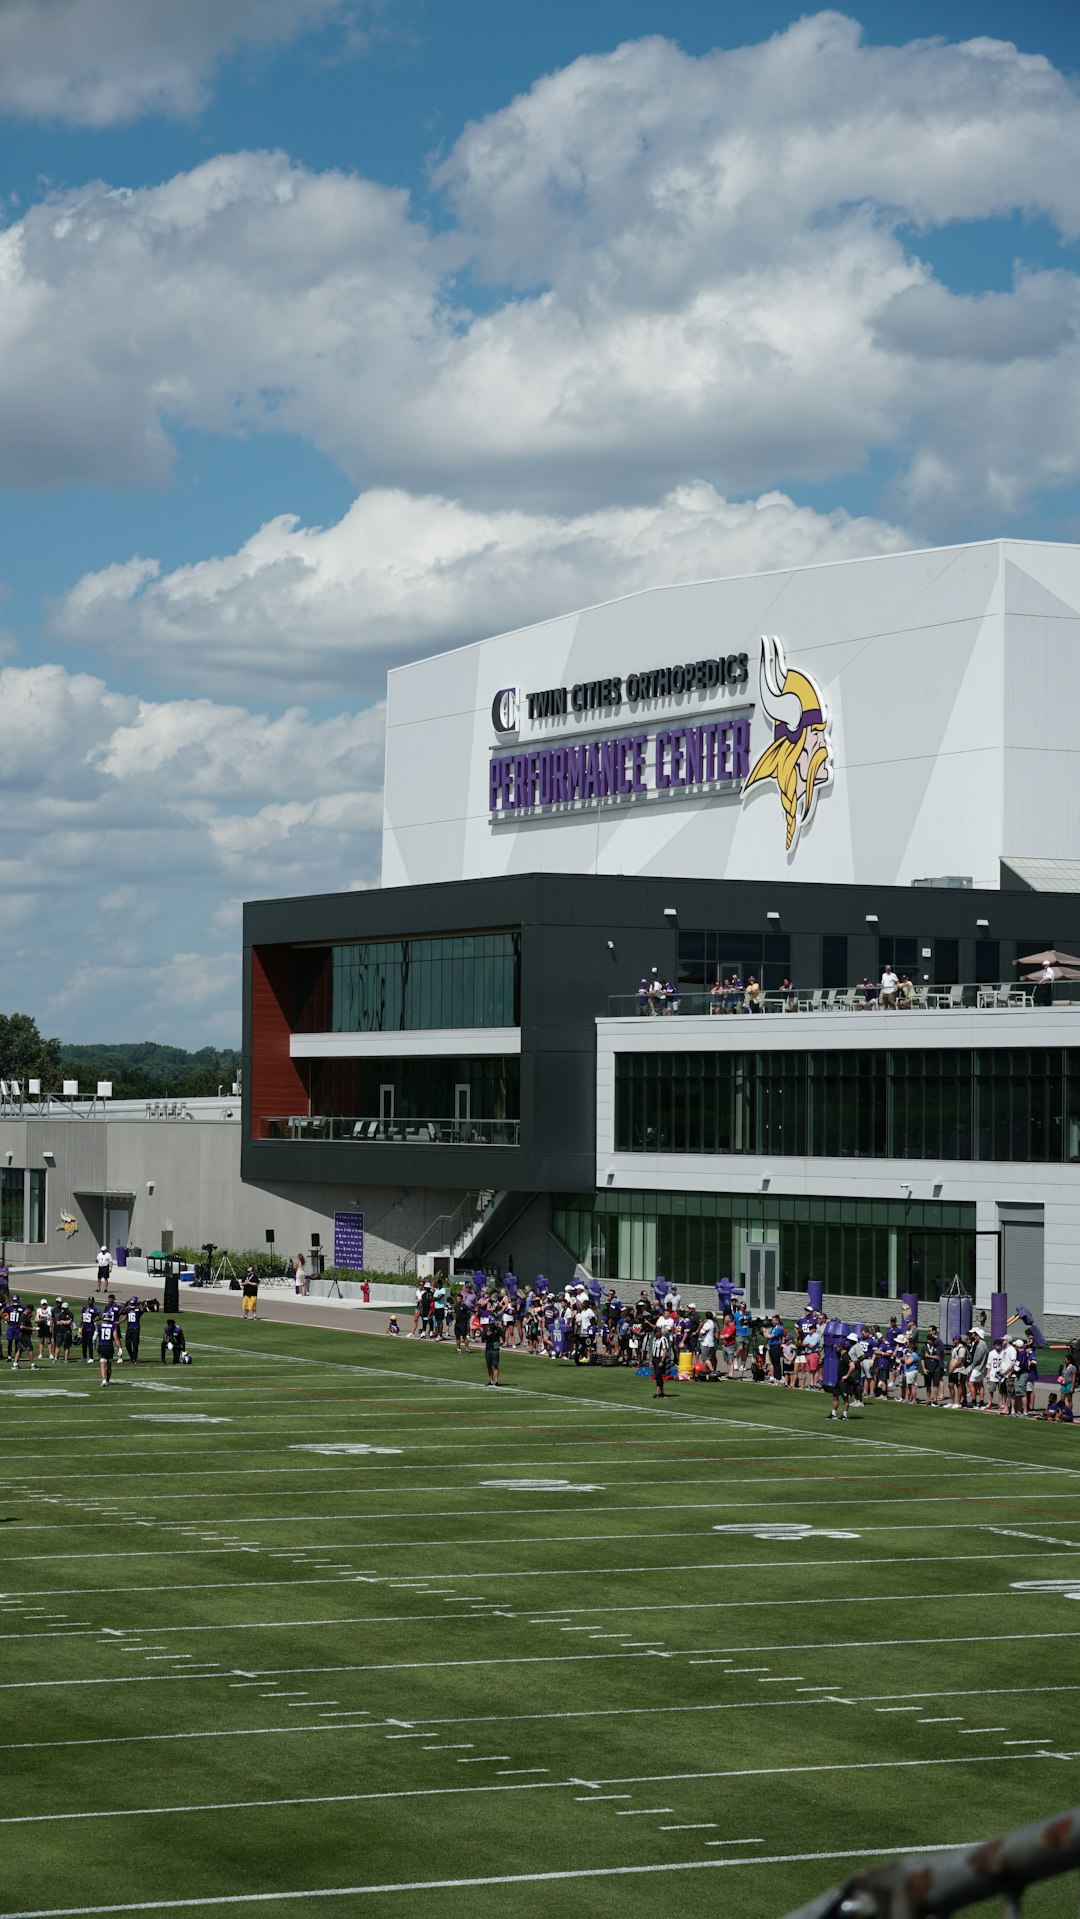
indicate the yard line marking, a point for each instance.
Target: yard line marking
{"x":975,"y":1732}
{"x":133,"y":1633}
{"x":457,"y":1885}
{"x":508,"y":1772}
{"x":482,"y":1758}
{"x":734,"y":1842}
{"x":592,"y":1798}
{"x":897,"y":1709}
{"x":642,"y":1812}
{"x":706,"y":1825}
{"x":1043,"y":1539}
{"x":1025,"y":1742}
{"x":539,"y":1785}
{"x":950,"y":1719}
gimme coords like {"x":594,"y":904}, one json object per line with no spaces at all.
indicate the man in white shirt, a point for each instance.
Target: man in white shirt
{"x":104,"y":1269}
{"x":889,"y":984}
{"x":993,"y":1376}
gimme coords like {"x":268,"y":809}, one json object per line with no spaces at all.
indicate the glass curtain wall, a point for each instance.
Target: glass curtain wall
{"x":874,"y":1249}
{"x":705,"y":957}
{"x":1016,"y":1104}
{"x":375,"y":986}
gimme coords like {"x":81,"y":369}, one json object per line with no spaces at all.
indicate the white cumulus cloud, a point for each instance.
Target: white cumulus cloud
{"x":329,"y":609}
{"x":134,"y":827}
{"x":97,"y":63}
{"x":651,"y":266}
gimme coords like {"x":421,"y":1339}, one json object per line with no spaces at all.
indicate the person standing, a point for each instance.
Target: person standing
{"x":1044,"y":991}
{"x":63,"y":1328}
{"x":889,"y":985}
{"x":43,"y":1326}
{"x":26,"y":1340}
{"x":87,"y":1323}
{"x":492,"y":1346}
{"x":847,"y":1383}
{"x":132,"y":1317}
{"x":978,"y":1353}
{"x":104,"y":1270}
{"x":106,"y":1346}
{"x":662,"y":1348}
{"x":250,"y":1290}
{"x":933,"y":1365}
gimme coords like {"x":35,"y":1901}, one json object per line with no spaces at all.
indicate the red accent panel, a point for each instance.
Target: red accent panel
{"x":278,"y":1083}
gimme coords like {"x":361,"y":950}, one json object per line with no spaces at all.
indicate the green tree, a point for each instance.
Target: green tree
{"x":25,"y":1055}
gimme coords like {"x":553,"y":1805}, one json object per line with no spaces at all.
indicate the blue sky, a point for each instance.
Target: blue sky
{"x":333,"y":332}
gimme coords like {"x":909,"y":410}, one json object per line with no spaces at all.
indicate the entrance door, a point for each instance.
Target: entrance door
{"x":762,"y":1273}
{"x":117,"y":1225}
{"x":1022,"y":1257}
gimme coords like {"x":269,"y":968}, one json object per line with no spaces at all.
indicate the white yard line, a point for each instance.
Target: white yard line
{"x":459,"y":1885}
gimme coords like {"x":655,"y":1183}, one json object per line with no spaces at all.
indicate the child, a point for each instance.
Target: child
{"x":393,"y":1329}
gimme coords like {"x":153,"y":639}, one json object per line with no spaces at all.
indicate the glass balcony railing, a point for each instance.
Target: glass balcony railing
{"x":400,"y":1132}
{"x":695,"y":1002}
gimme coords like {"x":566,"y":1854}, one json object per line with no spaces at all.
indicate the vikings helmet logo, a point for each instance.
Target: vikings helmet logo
{"x":798,"y":759}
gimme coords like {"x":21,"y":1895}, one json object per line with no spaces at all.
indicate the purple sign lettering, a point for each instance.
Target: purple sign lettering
{"x":714,"y":755}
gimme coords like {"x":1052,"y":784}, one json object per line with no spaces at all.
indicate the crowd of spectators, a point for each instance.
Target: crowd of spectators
{"x":664,"y":1338}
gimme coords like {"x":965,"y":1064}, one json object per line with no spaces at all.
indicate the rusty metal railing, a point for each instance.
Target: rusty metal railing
{"x":932,"y":1887}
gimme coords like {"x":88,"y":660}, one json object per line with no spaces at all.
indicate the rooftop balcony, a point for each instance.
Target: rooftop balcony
{"x":690,"y":1003}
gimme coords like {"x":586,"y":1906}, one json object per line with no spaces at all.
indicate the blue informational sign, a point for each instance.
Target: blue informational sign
{"x":349,"y":1241}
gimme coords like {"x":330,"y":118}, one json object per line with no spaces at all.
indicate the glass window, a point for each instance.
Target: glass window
{"x":919,"y":1248}
{"x":1022,"y":1104}
{"x":987,"y":962}
{"x":418,"y":985}
{"x":36,"y":1232}
{"x":834,"y":964}
{"x":12,"y":1190}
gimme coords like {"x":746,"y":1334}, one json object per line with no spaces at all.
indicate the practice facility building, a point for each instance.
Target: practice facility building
{"x":802,"y":779}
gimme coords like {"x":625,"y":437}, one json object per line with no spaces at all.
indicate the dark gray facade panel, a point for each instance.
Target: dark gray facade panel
{"x":569,"y":972}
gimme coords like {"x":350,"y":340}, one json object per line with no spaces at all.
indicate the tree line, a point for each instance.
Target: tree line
{"x":140,"y":1069}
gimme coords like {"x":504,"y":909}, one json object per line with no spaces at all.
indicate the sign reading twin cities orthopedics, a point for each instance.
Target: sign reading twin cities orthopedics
{"x":713,"y":755}
{"x":591,"y":696}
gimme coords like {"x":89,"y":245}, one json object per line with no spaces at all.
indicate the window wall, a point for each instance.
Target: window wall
{"x":476,"y":1088}
{"x":22,"y":1205}
{"x":375,"y":986}
{"x":874,"y":1249}
{"x":706,"y":956}
{"x":1021,"y":1103}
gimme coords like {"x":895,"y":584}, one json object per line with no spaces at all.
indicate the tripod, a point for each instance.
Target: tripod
{"x":223,"y":1271}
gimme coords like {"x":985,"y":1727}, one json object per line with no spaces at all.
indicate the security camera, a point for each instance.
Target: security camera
{"x":149,"y":1185}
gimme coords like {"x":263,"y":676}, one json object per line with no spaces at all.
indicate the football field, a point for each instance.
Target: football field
{"x":322,"y":1623}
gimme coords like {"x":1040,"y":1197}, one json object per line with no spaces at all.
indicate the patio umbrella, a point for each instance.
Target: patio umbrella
{"x":1052,"y":958}
{"x":1062,"y":972}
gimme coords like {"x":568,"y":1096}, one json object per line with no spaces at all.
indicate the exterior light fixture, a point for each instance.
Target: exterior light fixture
{"x":772,"y":916}
{"x":871,"y":919}
{"x":982,"y":922}
{"x":671,"y":912}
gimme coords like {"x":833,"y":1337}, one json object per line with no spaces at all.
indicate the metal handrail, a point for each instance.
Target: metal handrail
{"x":969,"y":997}
{"x":941,"y":1883}
{"x":317,"y":1127}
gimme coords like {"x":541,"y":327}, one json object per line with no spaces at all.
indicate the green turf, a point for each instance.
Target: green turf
{"x":424,"y":1678}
